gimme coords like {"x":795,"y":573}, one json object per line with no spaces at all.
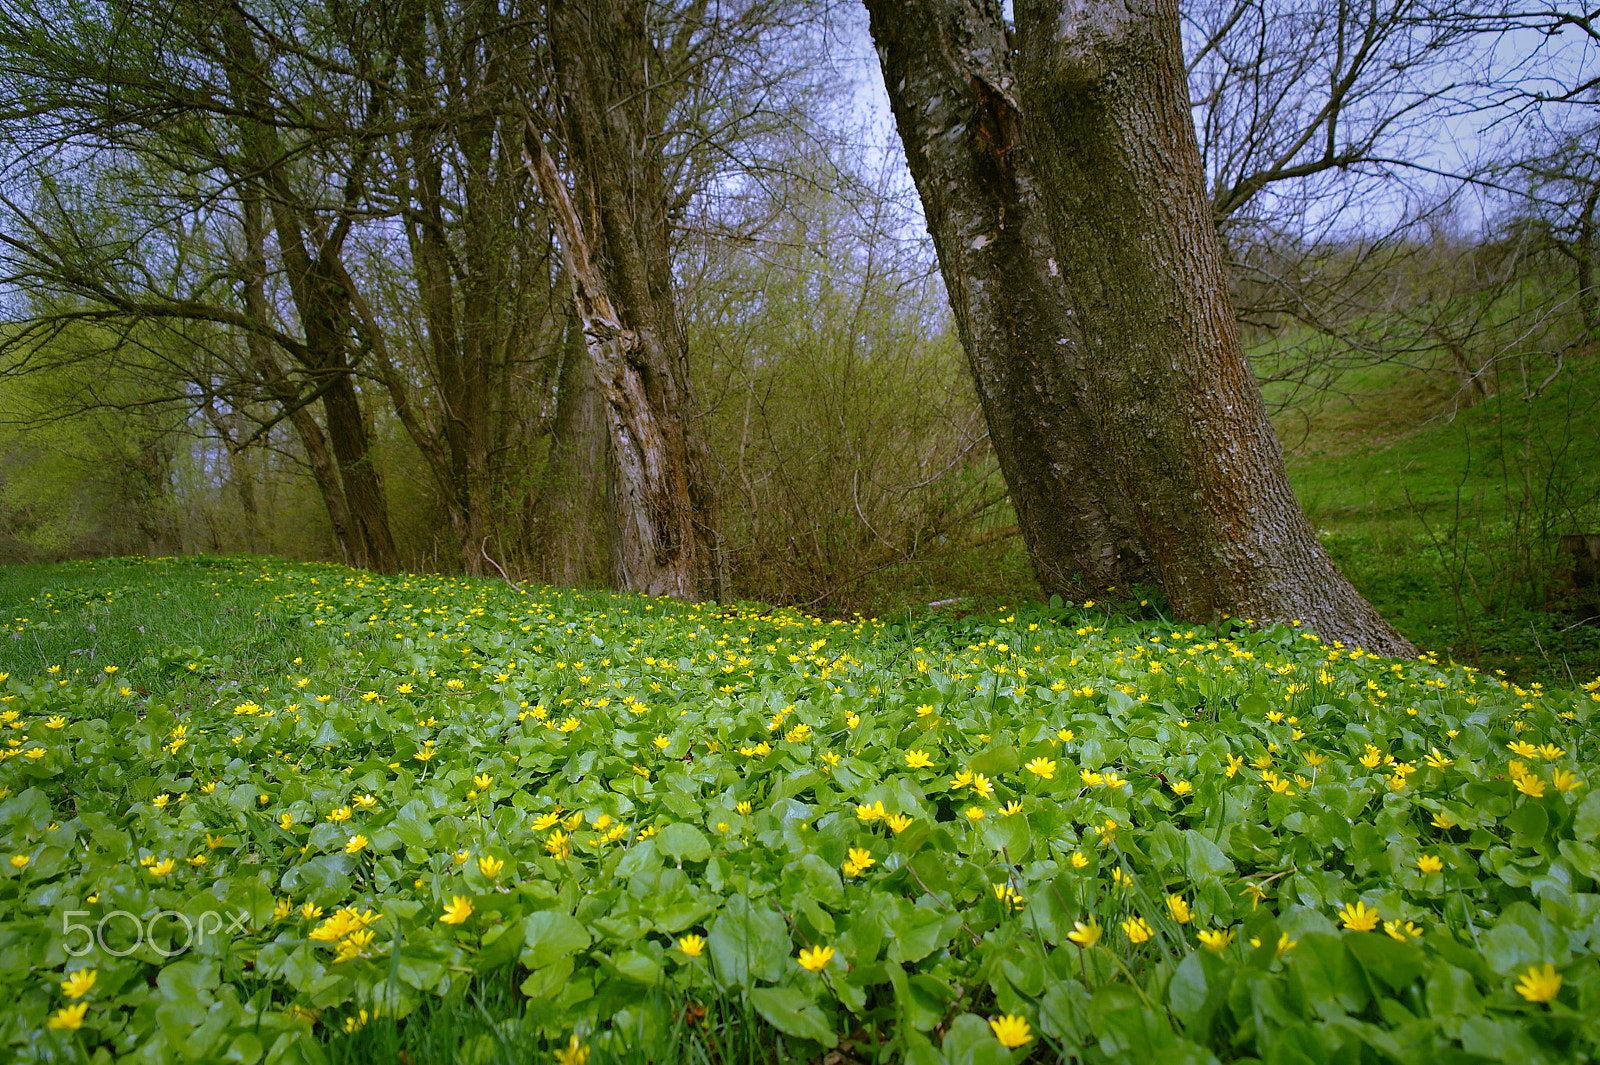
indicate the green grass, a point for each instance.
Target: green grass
{"x":147,"y":617}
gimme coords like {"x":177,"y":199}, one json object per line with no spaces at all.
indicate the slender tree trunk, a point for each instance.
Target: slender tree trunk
{"x":1106,"y":108}
{"x":662,"y":508}
{"x":281,"y":389}
{"x":575,"y":475}
{"x":947,"y":66}
{"x":363,"y":483}
{"x":318,"y":287}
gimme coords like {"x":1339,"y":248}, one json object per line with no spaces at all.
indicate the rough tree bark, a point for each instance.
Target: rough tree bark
{"x":1106,"y":109}
{"x":616,"y":242}
{"x":948,"y":70}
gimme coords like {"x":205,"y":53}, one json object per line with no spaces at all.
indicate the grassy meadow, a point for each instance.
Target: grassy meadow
{"x":262,"y":811}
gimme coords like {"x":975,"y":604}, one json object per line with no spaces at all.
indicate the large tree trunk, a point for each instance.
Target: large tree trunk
{"x":948,"y":70}
{"x":564,"y":514}
{"x":1106,"y":108}
{"x":616,"y":240}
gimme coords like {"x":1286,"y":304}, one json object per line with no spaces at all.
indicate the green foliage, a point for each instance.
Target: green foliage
{"x":569,"y":823}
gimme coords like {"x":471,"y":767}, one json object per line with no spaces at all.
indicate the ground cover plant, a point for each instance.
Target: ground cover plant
{"x":582,"y":827}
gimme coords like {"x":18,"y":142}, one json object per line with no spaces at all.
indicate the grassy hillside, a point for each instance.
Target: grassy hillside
{"x":1447,"y":515}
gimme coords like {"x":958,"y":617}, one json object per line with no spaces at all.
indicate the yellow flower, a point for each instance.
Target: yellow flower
{"x":353,"y":946}
{"x":1178,"y":906}
{"x":70,"y":1018}
{"x":918,"y":760}
{"x":1064,"y":735}
{"x":1234,"y":764}
{"x":1358,"y":918}
{"x":1181,"y":788}
{"x":364,"y":802}
{"x":1437,"y":760}
{"x":1550,"y":752}
{"x":160,"y":801}
{"x":1443,"y":820}
{"x":544,"y":821}
{"x":78,"y":984}
{"x":1515,"y":769}
{"x":862,"y":859}
{"x":310,"y":911}
{"x":1011,"y":809}
{"x":870,"y":813}
{"x":1430,"y":863}
{"x":1079,"y":860}
{"x":1216,"y":940}
{"x":1137,"y":928}
{"x":1404,"y":932}
{"x":1539,"y":985}
{"x":692,"y":945}
{"x":1315,"y":759}
{"x":356,"y":844}
{"x":1565,"y":780}
{"x":1372,"y":757}
{"x":197,"y":860}
{"x":20,"y":861}
{"x":575,"y":1053}
{"x":1285,"y":944}
{"x":975,"y":814}
{"x":743,"y":807}
{"x":1011,"y":1030}
{"x":163,"y":867}
{"x":55,"y":722}
{"x":815,"y":959}
{"x":341,"y":814}
{"x":490,"y":867}
{"x":898,"y":823}
{"x":285,"y":821}
{"x":981,"y":785}
{"x":1522,"y":748}
{"x":1044,"y":768}
{"x":425,"y":754}
{"x":1530,"y":786}
{"x":1085,"y":934}
{"x":458,"y":911}
{"x":559,"y":845}
{"x":1256,"y":893}
{"x":460,"y":857}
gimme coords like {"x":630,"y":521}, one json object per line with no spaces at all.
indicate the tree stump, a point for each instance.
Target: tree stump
{"x":1585,"y":551}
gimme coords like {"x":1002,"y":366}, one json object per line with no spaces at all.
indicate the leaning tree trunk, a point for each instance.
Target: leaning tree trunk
{"x":662,"y":509}
{"x":948,"y":69}
{"x":1106,"y":108}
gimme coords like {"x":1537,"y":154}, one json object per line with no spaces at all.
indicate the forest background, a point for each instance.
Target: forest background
{"x":283,"y":280}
